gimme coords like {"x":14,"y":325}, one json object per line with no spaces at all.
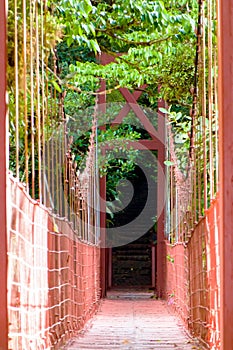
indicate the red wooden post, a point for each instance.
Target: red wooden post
{"x":153,"y":268}
{"x":103,"y":257}
{"x":109,"y":267}
{"x":225,"y":23}
{"x":160,"y":203}
{"x":3,"y":183}
{"x":105,"y":263}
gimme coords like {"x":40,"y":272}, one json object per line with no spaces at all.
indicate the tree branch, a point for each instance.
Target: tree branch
{"x":114,"y":54}
{"x":136,"y":43}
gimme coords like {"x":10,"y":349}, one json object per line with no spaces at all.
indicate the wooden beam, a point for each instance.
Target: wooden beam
{"x":132,"y":102}
{"x":126,"y":109}
{"x":143,"y":145}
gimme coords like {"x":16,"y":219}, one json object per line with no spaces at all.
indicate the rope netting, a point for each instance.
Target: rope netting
{"x":69,"y":190}
{"x":53,"y":277}
{"x":53,"y":207}
{"x":193,"y":279}
{"x":204,"y":267}
{"x":192,"y":230}
{"x":27,"y":270}
{"x":193,"y":175}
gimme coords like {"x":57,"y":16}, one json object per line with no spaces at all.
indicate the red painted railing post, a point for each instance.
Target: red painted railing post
{"x":103,"y":257}
{"x":225,"y":23}
{"x":3,"y":183}
{"x":161,"y":259}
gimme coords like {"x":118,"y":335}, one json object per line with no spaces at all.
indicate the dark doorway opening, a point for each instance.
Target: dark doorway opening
{"x":134,"y":263}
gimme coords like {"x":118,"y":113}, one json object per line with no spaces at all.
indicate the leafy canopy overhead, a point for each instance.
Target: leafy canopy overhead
{"x":152,"y":37}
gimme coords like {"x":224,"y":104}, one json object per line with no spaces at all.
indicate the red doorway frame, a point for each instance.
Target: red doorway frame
{"x":156,"y":144}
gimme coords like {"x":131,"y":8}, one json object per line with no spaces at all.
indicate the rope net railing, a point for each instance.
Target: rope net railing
{"x":193,"y":279}
{"x":53,"y":277}
{"x":69,"y":190}
{"x":53,"y":235}
{"x":204,"y":267}
{"x":27,"y":270}
{"x":41,"y":135}
{"x":194,"y":173}
{"x":192,"y":262}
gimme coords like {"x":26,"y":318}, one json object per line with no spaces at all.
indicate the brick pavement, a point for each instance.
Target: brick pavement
{"x":133,"y":321}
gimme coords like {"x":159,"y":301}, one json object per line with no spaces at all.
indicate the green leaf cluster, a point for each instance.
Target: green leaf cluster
{"x":153,"y":43}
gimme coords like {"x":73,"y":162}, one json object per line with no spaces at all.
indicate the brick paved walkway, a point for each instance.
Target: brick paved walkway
{"x":133,"y":321}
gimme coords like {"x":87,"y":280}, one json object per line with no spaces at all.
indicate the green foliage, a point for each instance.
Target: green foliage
{"x":118,"y":161}
{"x":180,"y":128}
{"x":156,"y":40}
{"x":172,"y":260}
{"x":77,"y":19}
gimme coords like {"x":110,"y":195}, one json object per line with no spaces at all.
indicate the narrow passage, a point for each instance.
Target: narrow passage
{"x":133,"y":321}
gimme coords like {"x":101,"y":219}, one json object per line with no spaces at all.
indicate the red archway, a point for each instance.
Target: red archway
{"x":156,"y":143}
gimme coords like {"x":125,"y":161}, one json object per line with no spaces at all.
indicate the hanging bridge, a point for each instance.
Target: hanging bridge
{"x":58,"y":260}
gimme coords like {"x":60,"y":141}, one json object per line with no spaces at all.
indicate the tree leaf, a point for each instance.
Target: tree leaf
{"x":168,"y":163}
{"x":163,"y":110}
{"x":56,"y":86}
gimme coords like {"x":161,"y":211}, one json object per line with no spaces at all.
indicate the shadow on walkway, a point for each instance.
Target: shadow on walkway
{"x":133,"y":320}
